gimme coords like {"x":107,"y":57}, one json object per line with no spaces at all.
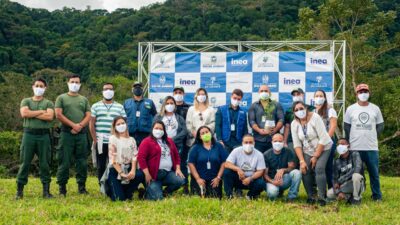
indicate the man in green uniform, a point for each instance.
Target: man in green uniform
{"x":38,"y":113}
{"x":73,"y":110}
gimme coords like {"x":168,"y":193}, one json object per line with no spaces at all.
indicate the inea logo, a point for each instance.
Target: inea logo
{"x":239,"y":61}
{"x":291,"y":81}
{"x":187,"y":82}
{"x":319,"y":61}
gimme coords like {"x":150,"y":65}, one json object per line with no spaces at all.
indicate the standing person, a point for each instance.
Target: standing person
{"x":312,"y":145}
{"x":124,"y":176}
{"x":206,"y":163}
{"x":231,"y":122}
{"x":363,"y":122}
{"x":200,"y":114}
{"x":181,"y":106}
{"x":37,"y":113}
{"x":265,"y":118}
{"x":140,"y":112}
{"x":103,"y":113}
{"x":244,"y":169}
{"x":349,"y":183}
{"x":159,"y":160}
{"x":329,"y":117}
{"x":73,"y":111}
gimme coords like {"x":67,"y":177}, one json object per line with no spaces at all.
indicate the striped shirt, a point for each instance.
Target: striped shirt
{"x":105,"y":114}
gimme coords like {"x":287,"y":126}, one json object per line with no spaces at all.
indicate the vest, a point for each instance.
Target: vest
{"x":142,"y":123}
{"x":226,"y":124}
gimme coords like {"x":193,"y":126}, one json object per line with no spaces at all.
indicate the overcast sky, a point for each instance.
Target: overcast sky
{"x":109,"y":5}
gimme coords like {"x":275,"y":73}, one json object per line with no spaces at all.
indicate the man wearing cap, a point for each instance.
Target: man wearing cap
{"x":363,"y":122}
{"x":140,"y":113}
{"x":348,"y":175}
{"x":297,"y":95}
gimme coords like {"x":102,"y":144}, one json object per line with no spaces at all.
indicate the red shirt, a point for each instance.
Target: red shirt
{"x":150,"y":154}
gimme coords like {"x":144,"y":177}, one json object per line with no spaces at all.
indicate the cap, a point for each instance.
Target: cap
{"x":362,"y":87}
{"x":179,"y":88}
{"x":297,"y":90}
{"x":137,"y":83}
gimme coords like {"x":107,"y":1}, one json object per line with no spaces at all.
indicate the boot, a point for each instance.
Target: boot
{"x":82,"y":189}
{"x":20,"y":191}
{"x":62,"y":190}
{"x":46,"y":191}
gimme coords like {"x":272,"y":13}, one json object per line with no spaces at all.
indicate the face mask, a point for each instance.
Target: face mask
{"x":319,"y":100}
{"x":248,"y":148}
{"x":235,"y":102}
{"x":206,"y":137}
{"x":108,"y":94}
{"x":178,"y":98}
{"x":264,"y":95}
{"x":363,"y":97}
{"x":277,"y":146}
{"x":301,"y":114}
{"x":341,"y":149}
{"x":74,"y":87}
{"x":37,"y":91}
{"x":137,"y":91}
{"x":121,"y":128}
{"x":201,"y":98}
{"x":158,"y":133}
{"x":298,"y":98}
{"x":169,"y":108}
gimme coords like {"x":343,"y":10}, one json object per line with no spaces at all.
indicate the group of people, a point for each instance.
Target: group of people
{"x":224,"y":148}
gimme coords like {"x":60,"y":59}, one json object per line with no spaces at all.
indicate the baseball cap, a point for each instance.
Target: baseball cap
{"x":179,"y":88}
{"x":137,"y":83}
{"x":362,"y":87}
{"x":297,"y":90}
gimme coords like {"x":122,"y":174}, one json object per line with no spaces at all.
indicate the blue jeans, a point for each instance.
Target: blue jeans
{"x":154,"y":190}
{"x":371,"y":160}
{"x":120,"y":191}
{"x":231,"y":180}
{"x":290,"y":180}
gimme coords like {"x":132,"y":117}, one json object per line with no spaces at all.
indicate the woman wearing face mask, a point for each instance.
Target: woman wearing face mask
{"x":312,"y":144}
{"x":200,"y":114}
{"x":123,"y":175}
{"x":206,"y":163}
{"x":160,"y":162}
{"x":329,"y":117}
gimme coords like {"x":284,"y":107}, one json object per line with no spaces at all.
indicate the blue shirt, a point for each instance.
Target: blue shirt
{"x":199,"y":156}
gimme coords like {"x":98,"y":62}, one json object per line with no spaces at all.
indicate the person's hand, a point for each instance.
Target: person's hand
{"x":124,"y":176}
{"x":336,"y":186}
{"x":131,"y":175}
{"x":215,"y":182}
{"x":77,"y":127}
{"x":222,"y":143}
{"x":179,"y":173}
{"x":313,"y":162}
{"x":74,"y":132}
{"x":341,"y":196}
{"x":279,"y":174}
{"x":303,"y":167}
{"x":201,"y":182}
{"x":246,"y":181}
{"x":277,"y":182}
{"x":264,"y":132}
{"x":95,"y":142}
{"x":148,"y":179}
{"x":194,"y":134}
{"x":241,"y":174}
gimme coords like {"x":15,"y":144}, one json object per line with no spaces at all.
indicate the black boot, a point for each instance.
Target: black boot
{"x":46,"y":191}
{"x":63,"y":190}
{"x":82,"y":189}
{"x":20,"y":191}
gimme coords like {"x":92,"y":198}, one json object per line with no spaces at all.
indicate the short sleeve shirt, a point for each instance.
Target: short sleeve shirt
{"x":105,"y":114}
{"x":125,"y":150}
{"x":35,"y":123}
{"x":74,"y":107}
{"x":275,"y":162}
{"x":248,"y":163}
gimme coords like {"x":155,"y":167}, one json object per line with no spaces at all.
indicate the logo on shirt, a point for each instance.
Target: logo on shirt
{"x":363,"y":117}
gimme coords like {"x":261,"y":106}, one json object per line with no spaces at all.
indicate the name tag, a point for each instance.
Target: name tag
{"x":208,"y":165}
{"x":263,"y":119}
{"x":232,"y":127}
{"x":137,"y":113}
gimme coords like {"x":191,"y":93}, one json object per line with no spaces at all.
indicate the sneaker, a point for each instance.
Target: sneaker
{"x":141,"y":193}
{"x":353,"y":201}
{"x":322,"y":202}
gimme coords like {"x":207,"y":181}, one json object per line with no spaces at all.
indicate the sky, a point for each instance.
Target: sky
{"x":109,"y":5}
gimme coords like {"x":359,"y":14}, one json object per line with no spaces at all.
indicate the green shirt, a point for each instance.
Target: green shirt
{"x":35,"y":123}
{"x":73,"y":107}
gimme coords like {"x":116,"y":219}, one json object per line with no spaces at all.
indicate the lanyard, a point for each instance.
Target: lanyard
{"x":304,"y":128}
{"x":108,"y":108}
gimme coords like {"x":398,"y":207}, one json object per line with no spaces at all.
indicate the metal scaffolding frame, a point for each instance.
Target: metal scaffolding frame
{"x":338,"y":47}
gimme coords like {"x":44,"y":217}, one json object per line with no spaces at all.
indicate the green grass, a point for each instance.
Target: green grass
{"x":179,"y":209}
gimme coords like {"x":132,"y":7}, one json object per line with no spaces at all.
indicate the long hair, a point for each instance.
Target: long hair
{"x":162,"y":110}
{"x":165,"y":136}
{"x":323,"y":110}
{"x":198,"y":139}
{"x":113,"y":131}
{"x":196,"y":103}
{"x":294,"y":106}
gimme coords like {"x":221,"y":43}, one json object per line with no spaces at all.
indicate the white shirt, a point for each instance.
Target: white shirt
{"x":171,"y":125}
{"x":194,"y":121}
{"x":125,"y":150}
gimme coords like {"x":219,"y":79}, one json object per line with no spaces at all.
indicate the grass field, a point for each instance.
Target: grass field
{"x":179,"y":209}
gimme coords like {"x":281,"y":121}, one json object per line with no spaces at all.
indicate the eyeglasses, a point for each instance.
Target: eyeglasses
{"x":248,"y":143}
{"x":201,"y":116}
{"x":298,"y":109}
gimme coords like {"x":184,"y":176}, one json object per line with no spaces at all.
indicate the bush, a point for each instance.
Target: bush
{"x":9,"y":145}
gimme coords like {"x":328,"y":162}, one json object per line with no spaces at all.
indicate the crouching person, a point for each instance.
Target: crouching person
{"x":280,"y":173}
{"x":245,"y":167}
{"x":349,"y":182}
{"x":159,"y":160}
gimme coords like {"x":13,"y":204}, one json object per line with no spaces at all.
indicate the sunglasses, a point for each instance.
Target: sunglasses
{"x":201,"y":116}
{"x":298,"y":109}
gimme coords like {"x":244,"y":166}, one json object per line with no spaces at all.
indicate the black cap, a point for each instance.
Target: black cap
{"x":179,"y":88}
{"x":297,"y":90}
{"x":137,"y":83}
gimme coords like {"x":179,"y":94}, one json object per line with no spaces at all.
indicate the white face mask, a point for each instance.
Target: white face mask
{"x":341,"y":149}
{"x":158,"y":133}
{"x":235,"y":102}
{"x":121,"y":128}
{"x":277,"y":146}
{"x":74,"y":87}
{"x":169,"y":107}
{"x":178,"y":97}
{"x":37,"y":91}
{"x":297,"y":98}
{"x":201,"y":98}
{"x":363,"y":97}
{"x":264,"y":95}
{"x":301,"y":114}
{"x":108,"y":94}
{"x":319,"y":100}
{"x":248,"y":148}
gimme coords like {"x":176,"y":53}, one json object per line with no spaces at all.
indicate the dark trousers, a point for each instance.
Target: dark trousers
{"x":122,"y":192}
{"x":139,"y":136}
{"x":263,"y":146}
{"x":183,"y":154}
{"x":329,"y":165}
{"x":371,"y":160}
{"x":209,"y":190}
{"x":231,"y":180}
{"x":102,"y":161}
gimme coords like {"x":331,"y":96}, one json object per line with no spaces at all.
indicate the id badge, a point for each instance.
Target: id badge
{"x":137,"y":113}
{"x":263,"y":119}
{"x":208,"y":165}
{"x":232,"y":127}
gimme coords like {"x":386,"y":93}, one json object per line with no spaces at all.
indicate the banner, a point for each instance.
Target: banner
{"x":222,"y":72}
